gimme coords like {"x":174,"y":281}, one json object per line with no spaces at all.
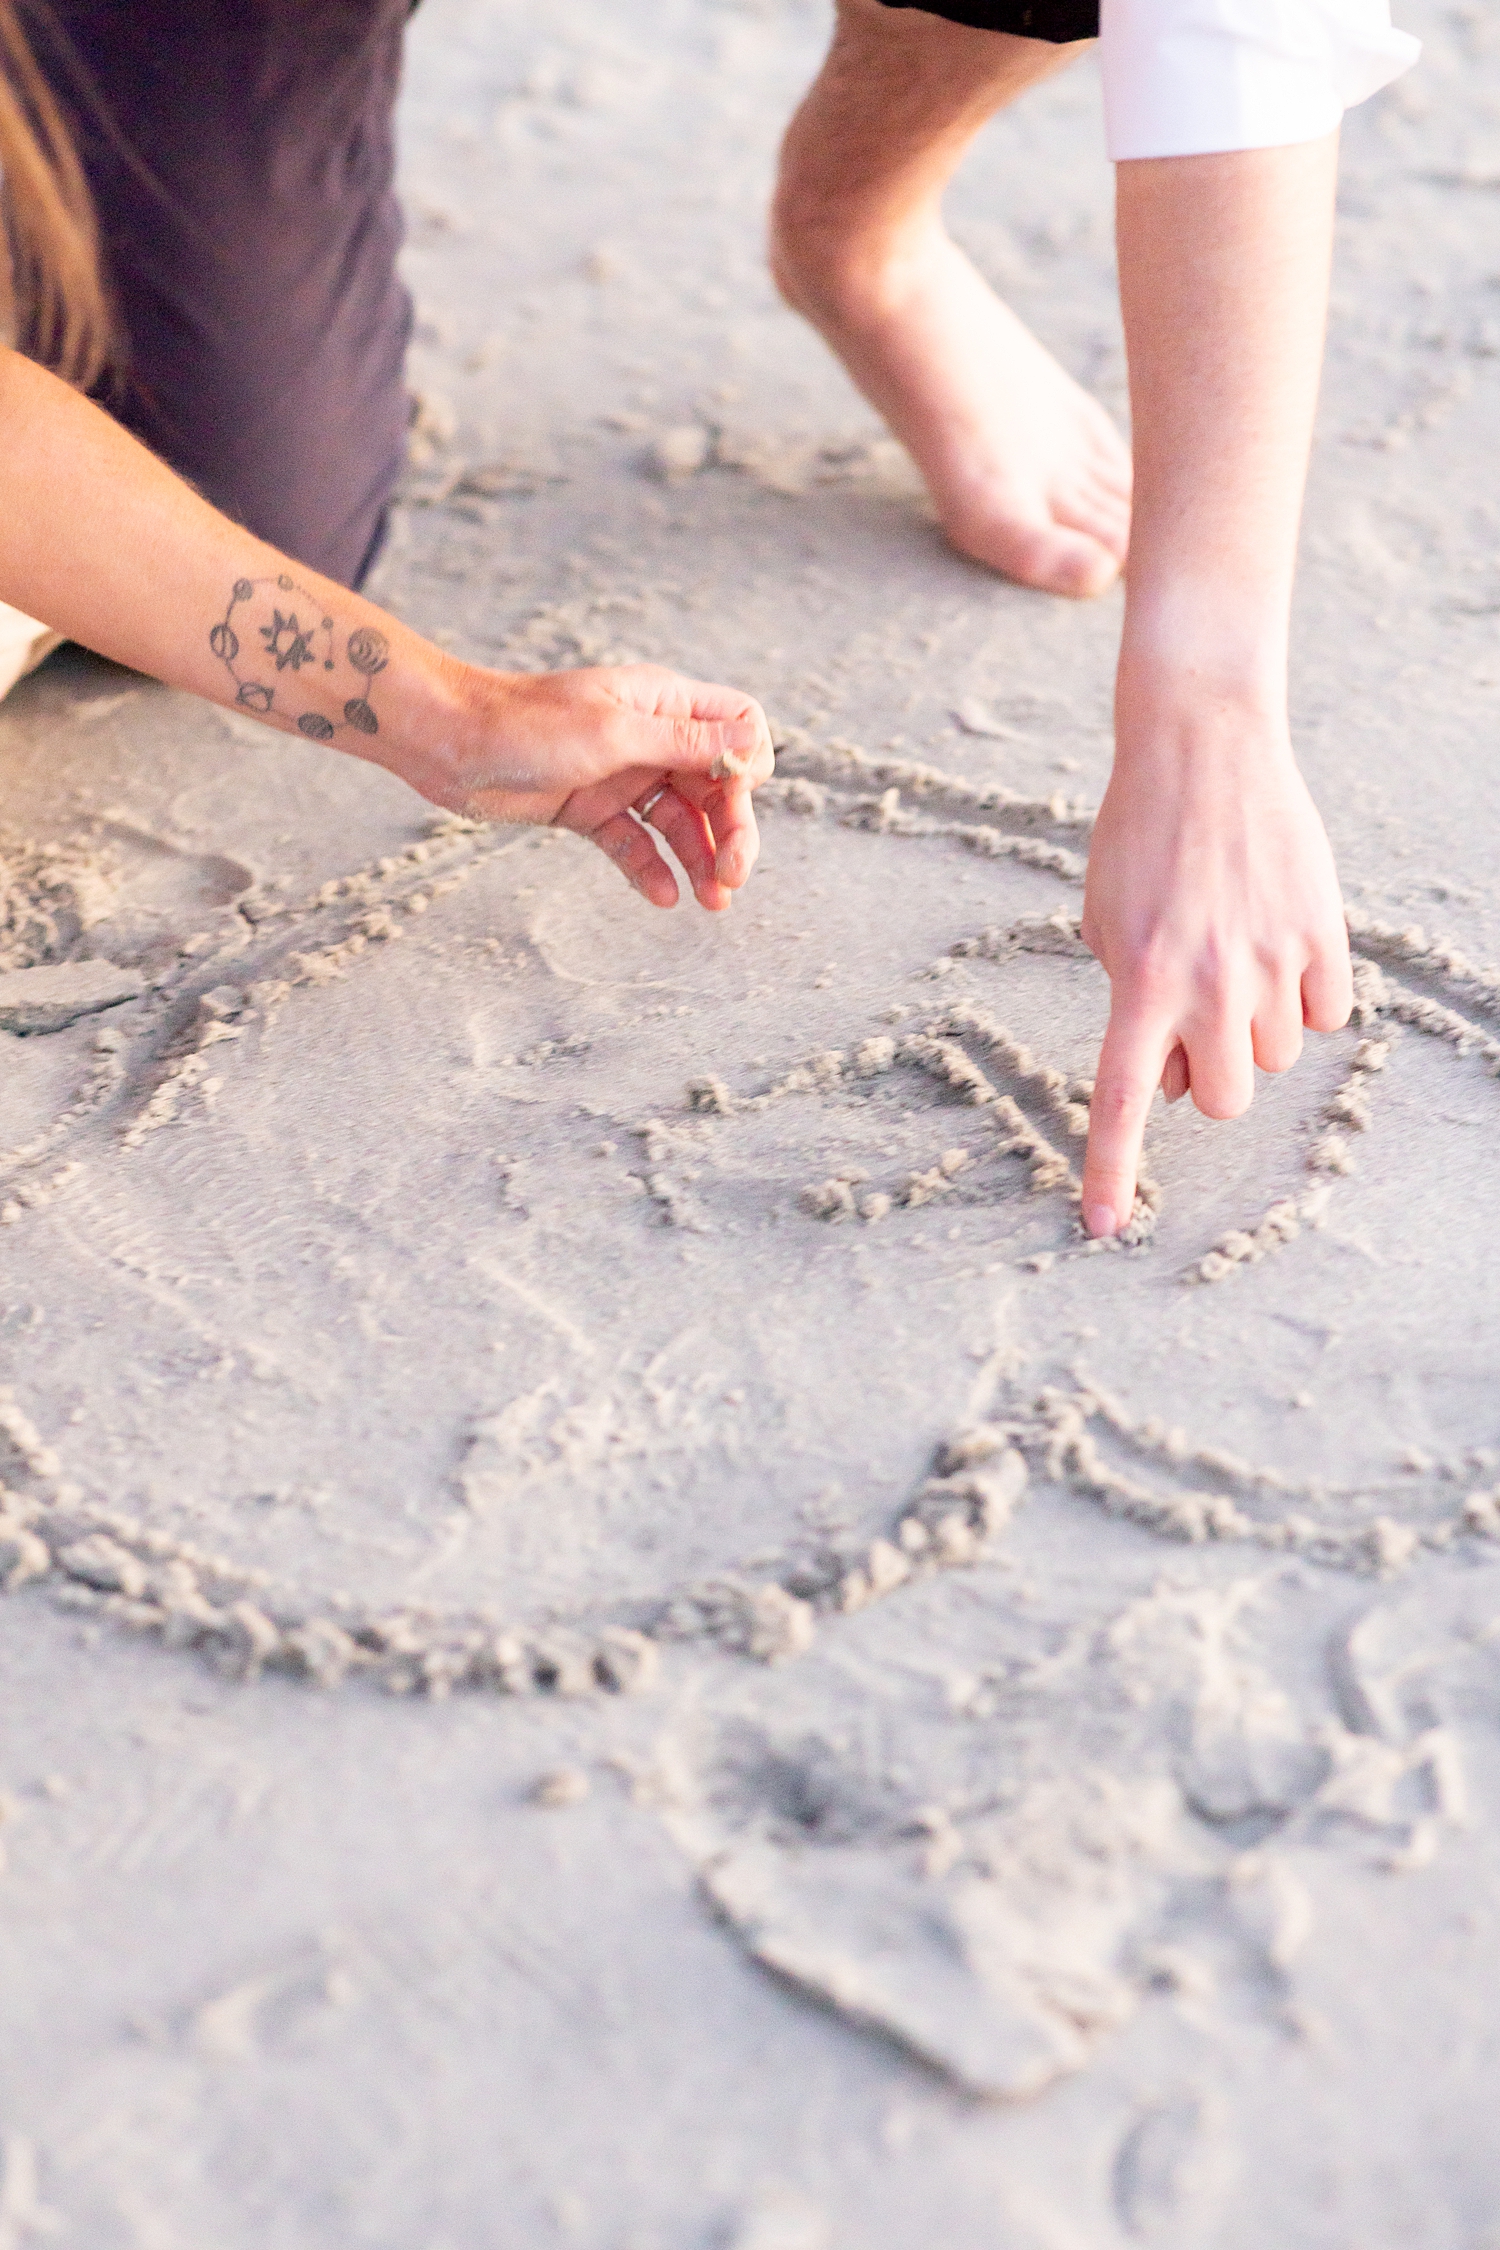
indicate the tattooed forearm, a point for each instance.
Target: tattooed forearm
{"x":273,"y":631}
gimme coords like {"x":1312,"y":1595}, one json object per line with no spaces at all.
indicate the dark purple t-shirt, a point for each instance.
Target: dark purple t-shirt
{"x":241,"y":159}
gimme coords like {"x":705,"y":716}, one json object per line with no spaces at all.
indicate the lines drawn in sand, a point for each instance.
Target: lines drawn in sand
{"x":101,"y":1560}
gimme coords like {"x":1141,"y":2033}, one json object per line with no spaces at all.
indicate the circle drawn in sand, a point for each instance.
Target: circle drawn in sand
{"x":550,"y":1525}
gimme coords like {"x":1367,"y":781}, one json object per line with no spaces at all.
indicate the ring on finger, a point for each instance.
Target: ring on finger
{"x":646,"y":805}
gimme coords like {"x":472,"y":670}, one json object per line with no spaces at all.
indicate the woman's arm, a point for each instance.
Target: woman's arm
{"x":108,"y":546}
{"x":1212,"y":899}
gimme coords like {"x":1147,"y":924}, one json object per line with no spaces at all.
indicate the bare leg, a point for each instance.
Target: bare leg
{"x":1027,"y":471}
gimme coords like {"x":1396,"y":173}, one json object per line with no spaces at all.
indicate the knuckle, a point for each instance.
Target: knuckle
{"x":1118,"y":1101}
{"x":1150,"y":975}
{"x":1221,"y":1025}
{"x":1104,"y":1173}
{"x":619,"y":840}
{"x":1155,"y":954}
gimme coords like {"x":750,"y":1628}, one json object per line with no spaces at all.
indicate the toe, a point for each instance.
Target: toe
{"x":1088,"y":501}
{"x":1113,"y":470}
{"x":1107,"y":448}
{"x":1099,"y":519}
{"x":1086,"y":569}
{"x":1107,"y":491}
{"x":1057,"y":560}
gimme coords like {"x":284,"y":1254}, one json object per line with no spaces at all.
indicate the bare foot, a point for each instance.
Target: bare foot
{"x":1027,"y":472}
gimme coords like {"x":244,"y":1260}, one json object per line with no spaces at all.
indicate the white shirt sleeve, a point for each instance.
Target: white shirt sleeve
{"x":1195,"y":77}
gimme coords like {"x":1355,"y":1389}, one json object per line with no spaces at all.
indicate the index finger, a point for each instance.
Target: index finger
{"x":731,"y":815}
{"x":1131,"y":1061}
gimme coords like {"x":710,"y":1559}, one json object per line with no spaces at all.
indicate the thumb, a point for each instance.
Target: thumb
{"x":736,"y":749}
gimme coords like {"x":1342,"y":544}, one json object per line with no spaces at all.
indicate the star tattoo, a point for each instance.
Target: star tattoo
{"x":286,"y":641}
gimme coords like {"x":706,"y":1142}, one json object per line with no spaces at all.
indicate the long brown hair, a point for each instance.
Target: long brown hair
{"x":52,"y":295}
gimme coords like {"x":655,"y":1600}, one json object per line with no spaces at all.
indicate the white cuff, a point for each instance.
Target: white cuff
{"x":1195,"y":77}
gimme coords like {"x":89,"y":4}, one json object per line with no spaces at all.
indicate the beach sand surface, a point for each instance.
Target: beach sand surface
{"x":618,"y":1635}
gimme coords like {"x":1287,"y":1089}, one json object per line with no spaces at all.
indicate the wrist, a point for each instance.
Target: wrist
{"x":447,"y":717}
{"x":1198,"y":660}
{"x":1219,"y":628}
{"x":1183,"y":711}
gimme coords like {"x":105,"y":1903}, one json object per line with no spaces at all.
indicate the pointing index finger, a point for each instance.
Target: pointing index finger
{"x":1130,"y":1068}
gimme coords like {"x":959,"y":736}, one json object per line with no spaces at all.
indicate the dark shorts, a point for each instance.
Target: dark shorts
{"x":1060,"y":21}
{"x":241,"y":156}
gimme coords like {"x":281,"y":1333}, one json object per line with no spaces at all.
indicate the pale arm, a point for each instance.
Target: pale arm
{"x":105,"y":544}
{"x":1212,"y":899}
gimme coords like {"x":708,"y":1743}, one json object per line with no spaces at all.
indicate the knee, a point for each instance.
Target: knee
{"x":830,"y":220}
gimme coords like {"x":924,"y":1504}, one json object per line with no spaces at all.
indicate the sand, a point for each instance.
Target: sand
{"x":618,"y":1635}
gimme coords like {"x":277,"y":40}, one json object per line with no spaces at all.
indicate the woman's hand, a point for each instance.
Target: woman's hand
{"x":612,"y":753}
{"x":1213,"y":904}
{"x":106,"y":545}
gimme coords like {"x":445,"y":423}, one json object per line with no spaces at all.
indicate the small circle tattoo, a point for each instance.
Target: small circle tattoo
{"x":369,"y":651}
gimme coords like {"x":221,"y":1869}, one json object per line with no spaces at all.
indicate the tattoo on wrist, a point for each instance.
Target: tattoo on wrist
{"x":272,"y":631}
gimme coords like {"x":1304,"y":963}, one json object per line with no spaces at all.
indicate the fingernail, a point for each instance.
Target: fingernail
{"x":1099,"y":1219}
